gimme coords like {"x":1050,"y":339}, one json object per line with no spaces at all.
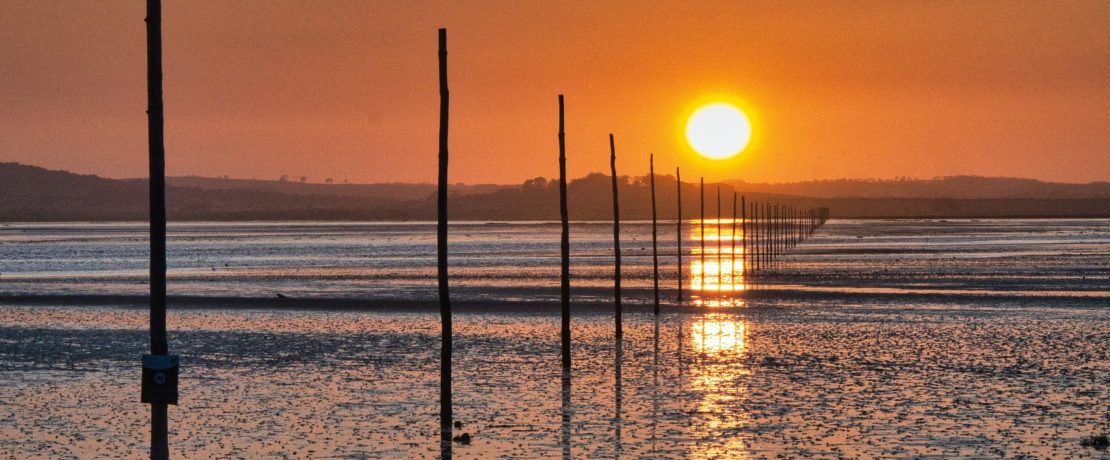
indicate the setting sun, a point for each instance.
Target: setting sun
{"x":718,"y":131}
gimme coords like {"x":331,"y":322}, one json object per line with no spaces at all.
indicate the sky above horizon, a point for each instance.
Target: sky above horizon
{"x":348,"y":89}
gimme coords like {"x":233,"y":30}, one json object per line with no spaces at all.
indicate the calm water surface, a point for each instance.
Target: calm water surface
{"x":1017,"y":369}
{"x":519,"y":262}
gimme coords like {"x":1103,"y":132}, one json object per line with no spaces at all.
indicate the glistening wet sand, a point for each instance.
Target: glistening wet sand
{"x":858,"y":379}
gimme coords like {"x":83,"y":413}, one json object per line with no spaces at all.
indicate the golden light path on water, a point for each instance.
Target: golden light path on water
{"x":720,"y":343}
{"x":717,"y":274}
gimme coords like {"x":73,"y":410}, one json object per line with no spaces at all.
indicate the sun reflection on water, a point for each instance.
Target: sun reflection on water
{"x":719,"y":335}
{"x":718,"y":373}
{"x":717,"y":262}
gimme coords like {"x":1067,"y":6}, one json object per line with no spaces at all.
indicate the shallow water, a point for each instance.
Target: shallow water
{"x":814,"y":379}
{"x":967,"y":338}
{"x":518,"y":263}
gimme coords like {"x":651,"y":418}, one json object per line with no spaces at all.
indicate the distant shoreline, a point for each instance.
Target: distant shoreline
{"x":33,"y":194}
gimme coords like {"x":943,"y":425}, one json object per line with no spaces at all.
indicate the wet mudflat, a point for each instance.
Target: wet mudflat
{"x":821,"y":379}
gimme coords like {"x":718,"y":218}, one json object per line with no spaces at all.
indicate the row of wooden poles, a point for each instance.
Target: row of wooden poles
{"x":766,"y":232}
{"x":772,"y":228}
{"x":767,"y":235}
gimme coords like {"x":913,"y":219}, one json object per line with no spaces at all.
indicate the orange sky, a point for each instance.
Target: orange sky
{"x":348,"y":90}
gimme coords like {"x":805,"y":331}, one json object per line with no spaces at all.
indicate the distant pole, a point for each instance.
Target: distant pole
{"x":702,"y":234}
{"x":780,"y":211}
{"x":565,"y":242}
{"x":159,"y":411}
{"x":616,"y":240}
{"x":744,"y":237}
{"x":654,"y":234}
{"x":764,"y":247}
{"x":759,"y":235}
{"x":445,"y":415}
{"x":756,"y":235}
{"x":678,"y":225}
{"x":771,"y":236}
{"x":720,"y":267}
{"x":774,"y":234}
{"x":732,"y":252}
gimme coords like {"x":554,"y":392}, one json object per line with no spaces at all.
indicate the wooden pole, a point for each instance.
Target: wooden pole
{"x":763,"y":237}
{"x":159,"y":411}
{"x":775,"y":234}
{"x":754,"y":246}
{"x":720,"y":267}
{"x":616,"y":241}
{"x":703,"y":234}
{"x":744,"y":237}
{"x":445,"y":410}
{"x":654,"y":234}
{"x":756,"y":235}
{"x":564,"y":244}
{"x":732,"y":251}
{"x":678,"y":226}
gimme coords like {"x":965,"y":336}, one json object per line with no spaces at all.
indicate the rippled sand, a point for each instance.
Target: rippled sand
{"x":813,"y":379}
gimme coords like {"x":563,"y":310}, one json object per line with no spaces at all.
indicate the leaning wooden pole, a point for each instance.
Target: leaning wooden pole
{"x":654,"y":235}
{"x":678,"y":227}
{"x":564,"y":244}
{"x":445,"y":412}
{"x":616,"y":241}
{"x":159,"y":379}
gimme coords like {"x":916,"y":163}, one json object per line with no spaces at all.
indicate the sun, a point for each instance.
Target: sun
{"x":718,"y":131}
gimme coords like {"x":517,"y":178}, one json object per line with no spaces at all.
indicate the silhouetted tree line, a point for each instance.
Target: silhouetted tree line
{"x":29,"y":193}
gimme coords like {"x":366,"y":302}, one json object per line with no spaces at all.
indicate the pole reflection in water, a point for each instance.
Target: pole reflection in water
{"x":715,"y":279}
{"x":718,"y":375}
{"x":566,"y":414}
{"x":655,"y":386}
{"x":617,"y":361}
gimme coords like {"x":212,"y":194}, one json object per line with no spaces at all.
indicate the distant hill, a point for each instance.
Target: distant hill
{"x":29,"y":193}
{"x":393,"y":191}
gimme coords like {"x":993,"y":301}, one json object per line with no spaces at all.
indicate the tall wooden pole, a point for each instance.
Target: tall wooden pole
{"x":159,"y":411}
{"x":654,"y":234}
{"x":445,"y":412}
{"x":564,"y":244}
{"x":616,"y":241}
{"x":678,"y":226}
